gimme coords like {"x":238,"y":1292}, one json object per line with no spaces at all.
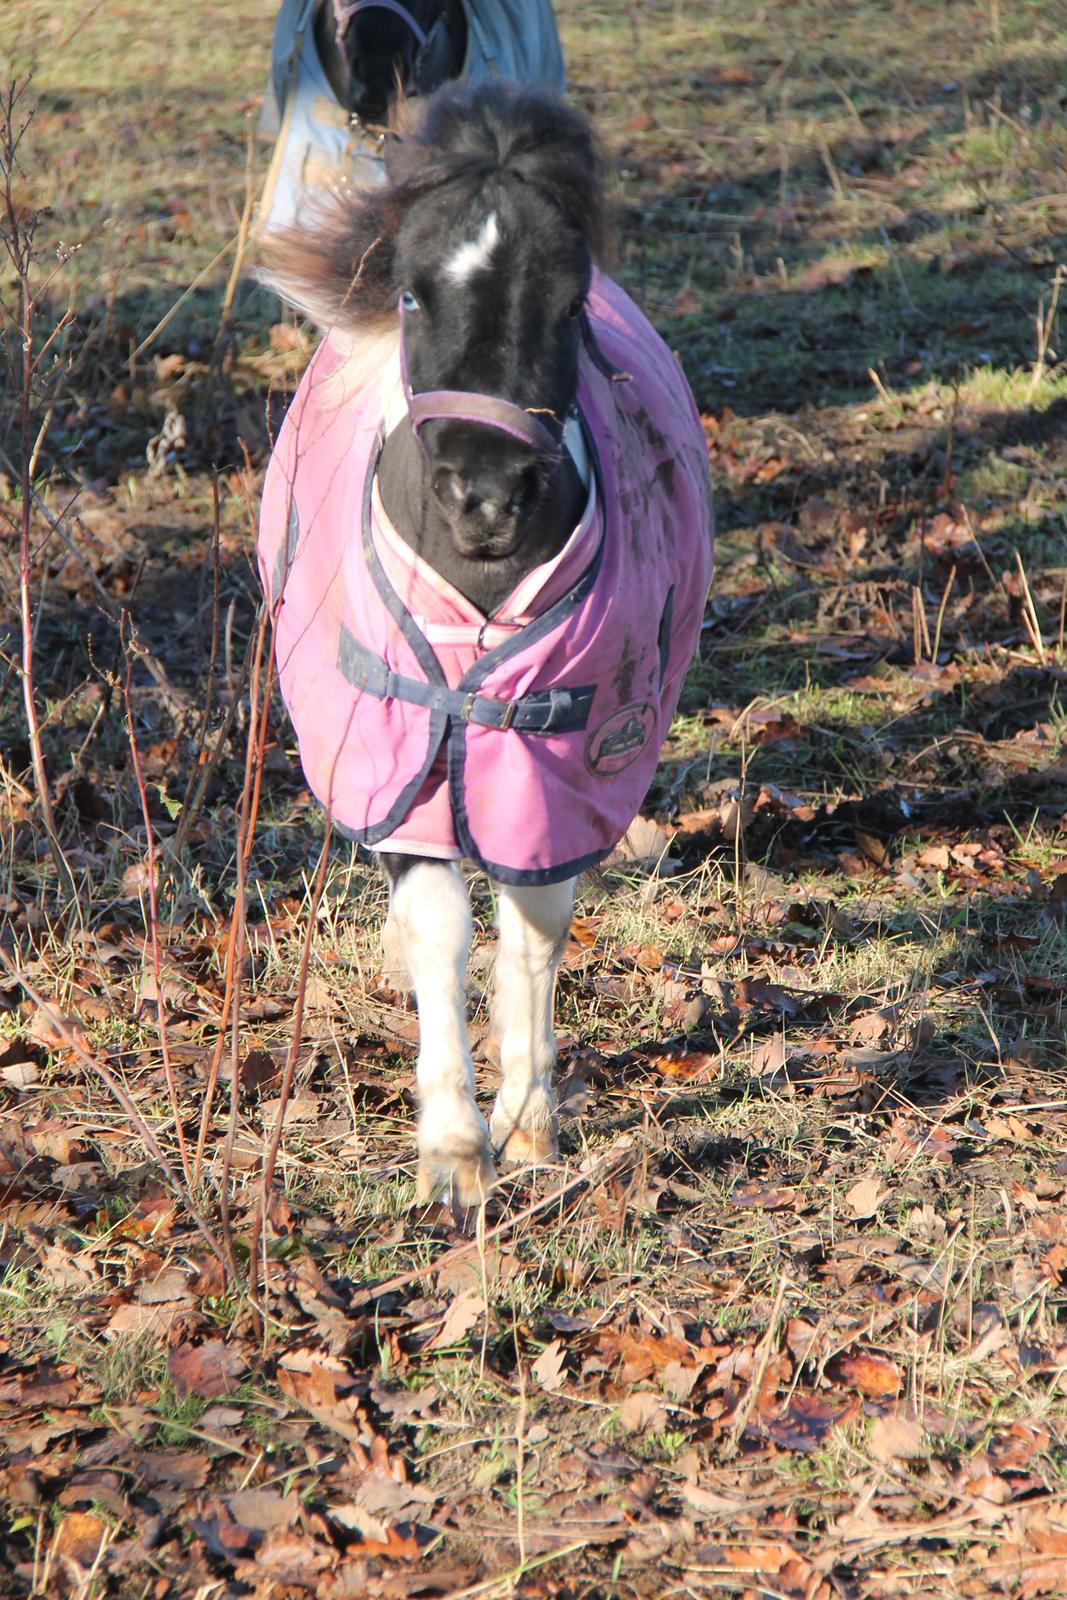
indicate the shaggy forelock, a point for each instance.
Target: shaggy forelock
{"x":340,"y":269}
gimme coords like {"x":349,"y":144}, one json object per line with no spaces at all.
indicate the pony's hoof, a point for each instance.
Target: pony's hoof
{"x":465,"y":1181}
{"x":522,"y":1148}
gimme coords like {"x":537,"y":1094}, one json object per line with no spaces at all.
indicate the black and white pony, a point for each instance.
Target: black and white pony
{"x":486,"y":541}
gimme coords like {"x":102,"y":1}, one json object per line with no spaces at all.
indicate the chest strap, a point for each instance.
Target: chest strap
{"x":540,"y":711}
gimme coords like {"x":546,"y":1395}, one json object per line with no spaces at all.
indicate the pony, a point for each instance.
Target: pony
{"x":339,"y":67}
{"x":486,"y":542}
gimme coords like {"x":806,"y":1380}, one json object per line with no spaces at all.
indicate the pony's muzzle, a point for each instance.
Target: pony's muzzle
{"x":486,"y":510}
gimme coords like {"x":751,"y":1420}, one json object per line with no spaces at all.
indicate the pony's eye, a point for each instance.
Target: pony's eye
{"x":575,"y":308}
{"x":408,"y":301}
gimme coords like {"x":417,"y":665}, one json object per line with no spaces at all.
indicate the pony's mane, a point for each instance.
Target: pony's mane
{"x":338,"y":270}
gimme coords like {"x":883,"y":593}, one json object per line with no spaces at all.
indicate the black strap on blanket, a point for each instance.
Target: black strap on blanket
{"x":541,"y":711}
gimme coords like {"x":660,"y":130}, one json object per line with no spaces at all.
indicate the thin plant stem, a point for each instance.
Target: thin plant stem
{"x":153,"y":926}
{"x":226,"y":311}
{"x":18,"y":240}
{"x":293,"y":1055}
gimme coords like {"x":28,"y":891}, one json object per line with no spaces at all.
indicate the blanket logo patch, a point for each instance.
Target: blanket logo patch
{"x":619,"y":739}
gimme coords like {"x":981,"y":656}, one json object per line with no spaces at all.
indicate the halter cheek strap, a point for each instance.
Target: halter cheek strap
{"x":345,"y":13}
{"x":464,"y":405}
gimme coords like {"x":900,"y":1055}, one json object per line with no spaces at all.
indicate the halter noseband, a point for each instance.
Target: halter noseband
{"x":465,"y":405}
{"x":345,"y":13}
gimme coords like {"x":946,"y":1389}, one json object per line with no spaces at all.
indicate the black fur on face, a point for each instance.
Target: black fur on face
{"x":490,"y":220}
{"x":379,"y":56}
{"x":380,"y":50}
{"x":495,"y":278}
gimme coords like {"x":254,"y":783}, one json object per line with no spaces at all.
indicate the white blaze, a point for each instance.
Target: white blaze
{"x":474,"y":255}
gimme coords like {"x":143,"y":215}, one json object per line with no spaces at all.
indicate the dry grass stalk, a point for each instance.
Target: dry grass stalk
{"x":246,"y":821}
{"x":200,"y":770}
{"x":1029,"y":612}
{"x":153,"y":922}
{"x":919,"y":628}
{"x":1044,"y":323}
{"x":246,"y":815}
{"x":222,"y":337}
{"x":941,"y":615}
{"x":292,"y":1056}
{"x":748,"y":1404}
{"x":190,"y":289}
{"x":17,"y":230}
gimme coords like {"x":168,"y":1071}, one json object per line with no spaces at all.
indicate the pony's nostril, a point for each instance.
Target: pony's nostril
{"x":459,"y":495}
{"x":449,"y":487}
{"x":524,"y":494}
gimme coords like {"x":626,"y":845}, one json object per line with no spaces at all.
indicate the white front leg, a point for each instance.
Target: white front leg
{"x":533,"y":935}
{"x":430,"y":913}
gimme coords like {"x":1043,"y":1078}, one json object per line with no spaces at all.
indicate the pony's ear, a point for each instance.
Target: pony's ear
{"x":337,"y":269}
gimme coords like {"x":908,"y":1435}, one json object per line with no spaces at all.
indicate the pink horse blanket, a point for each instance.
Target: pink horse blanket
{"x":526,"y":741}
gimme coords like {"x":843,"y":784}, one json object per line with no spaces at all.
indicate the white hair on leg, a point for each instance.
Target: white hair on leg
{"x":394,"y":959}
{"x":431,"y":914}
{"x":475,"y":254}
{"x":533,"y":934}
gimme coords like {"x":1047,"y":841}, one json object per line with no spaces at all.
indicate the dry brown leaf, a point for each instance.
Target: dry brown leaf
{"x":873,"y":1375}
{"x":356,"y":1519}
{"x":21,"y":1074}
{"x":694,"y":1066}
{"x":208,"y":1370}
{"x":550,"y":1365}
{"x":709,"y":1503}
{"x":80,"y":1536}
{"x":645,"y":844}
{"x":138,"y":1319}
{"x":463,"y":1313}
{"x":642,"y":1412}
{"x":805,"y":1421}
{"x":769,"y":1057}
{"x":643,"y":1355}
{"x":865,"y":1197}
{"x":894,"y":1438}
{"x":135,"y":880}
{"x":323,"y":1386}
{"x":65,"y":1271}
{"x":53,"y":1027}
{"x":169,"y":1285}
{"x":263,"y":1509}
{"x":870,"y":1026}
{"x":760,"y":1556}
{"x":767,"y":1196}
